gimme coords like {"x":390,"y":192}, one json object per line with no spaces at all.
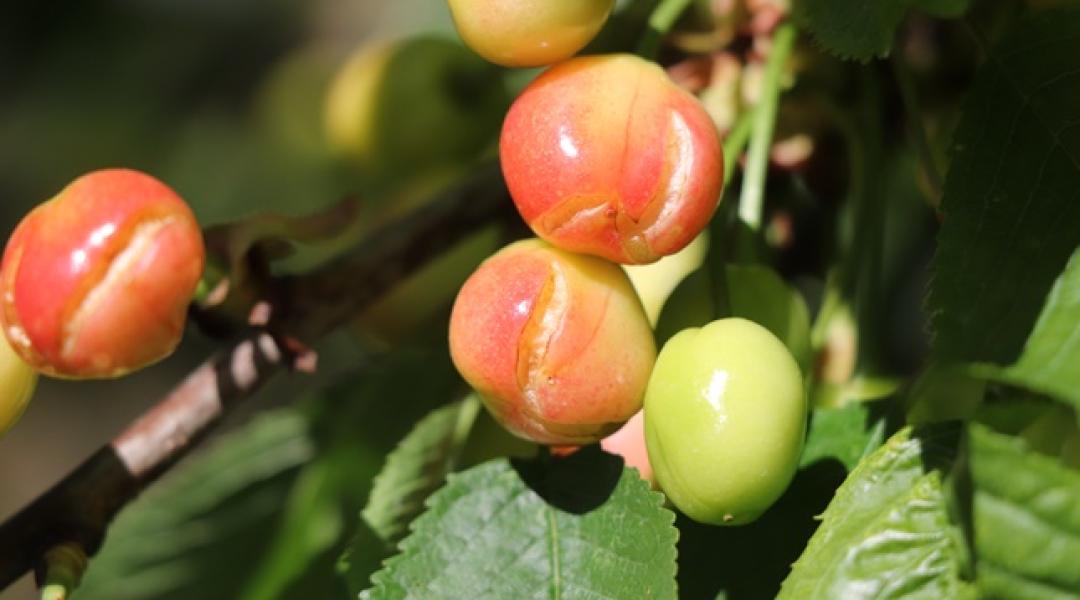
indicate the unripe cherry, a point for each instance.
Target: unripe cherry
{"x":605,"y":155}
{"x":17,"y":383}
{"x":95,"y":282}
{"x":557,"y":344}
{"x":725,"y":416}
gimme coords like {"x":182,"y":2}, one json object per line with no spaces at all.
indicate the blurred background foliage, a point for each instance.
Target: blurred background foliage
{"x":223,"y":100}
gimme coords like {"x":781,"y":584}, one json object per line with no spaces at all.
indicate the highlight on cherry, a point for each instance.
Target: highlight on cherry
{"x":604,"y":155}
{"x":96,"y":282}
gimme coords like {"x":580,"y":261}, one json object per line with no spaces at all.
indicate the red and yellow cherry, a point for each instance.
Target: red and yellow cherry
{"x":17,"y":383}
{"x":528,"y":33}
{"x":604,"y":155}
{"x":556,"y":343}
{"x":95,"y":282}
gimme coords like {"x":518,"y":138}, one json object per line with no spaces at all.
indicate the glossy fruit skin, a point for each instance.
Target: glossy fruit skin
{"x":725,"y":417}
{"x":95,"y":282}
{"x":557,"y":344}
{"x":17,"y":383}
{"x":604,"y":155}
{"x":528,"y":33}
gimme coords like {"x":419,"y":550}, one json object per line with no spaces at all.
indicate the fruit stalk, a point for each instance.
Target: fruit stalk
{"x":752,"y":198}
{"x":661,"y":21}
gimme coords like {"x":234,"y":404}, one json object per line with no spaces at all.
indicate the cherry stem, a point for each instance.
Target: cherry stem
{"x":721,"y":227}
{"x":661,"y":21}
{"x":64,"y":567}
{"x":752,"y":198}
{"x":735,"y":142}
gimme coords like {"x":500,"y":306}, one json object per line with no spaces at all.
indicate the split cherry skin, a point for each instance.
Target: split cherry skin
{"x":95,"y":283}
{"x":604,"y":155}
{"x":557,"y":344}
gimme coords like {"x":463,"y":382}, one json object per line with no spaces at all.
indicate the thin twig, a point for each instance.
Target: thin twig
{"x":80,"y":507}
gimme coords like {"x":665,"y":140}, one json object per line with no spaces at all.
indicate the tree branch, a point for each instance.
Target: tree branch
{"x":80,"y":507}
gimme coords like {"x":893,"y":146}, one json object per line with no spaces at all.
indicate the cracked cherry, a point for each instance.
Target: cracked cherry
{"x":557,"y":344}
{"x":528,"y":33}
{"x":604,"y":155}
{"x":96,"y":282}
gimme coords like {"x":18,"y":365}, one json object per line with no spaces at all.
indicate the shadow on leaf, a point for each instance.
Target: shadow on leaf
{"x":750,"y":561}
{"x":576,"y":484}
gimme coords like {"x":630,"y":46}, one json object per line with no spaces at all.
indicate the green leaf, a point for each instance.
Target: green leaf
{"x":355,"y":427}
{"x":1012,"y":195}
{"x":1050,"y":362}
{"x":580,"y":527}
{"x":413,"y":471}
{"x":418,"y":467}
{"x":265,"y":513}
{"x":363,"y":557}
{"x":944,"y":393}
{"x":886,"y":534}
{"x":846,"y":434}
{"x":852,"y":28}
{"x":1026,"y":519}
{"x":182,"y":538}
{"x":311,"y":524}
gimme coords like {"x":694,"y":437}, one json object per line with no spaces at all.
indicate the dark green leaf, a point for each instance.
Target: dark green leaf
{"x":852,"y":28}
{"x":581,"y":527}
{"x":864,"y":30}
{"x":1012,"y":196}
{"x":1050,"y":362}
{"x":886,"y":533}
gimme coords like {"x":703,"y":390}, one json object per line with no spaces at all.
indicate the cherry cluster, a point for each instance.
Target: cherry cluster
{"x":611,"y":163}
